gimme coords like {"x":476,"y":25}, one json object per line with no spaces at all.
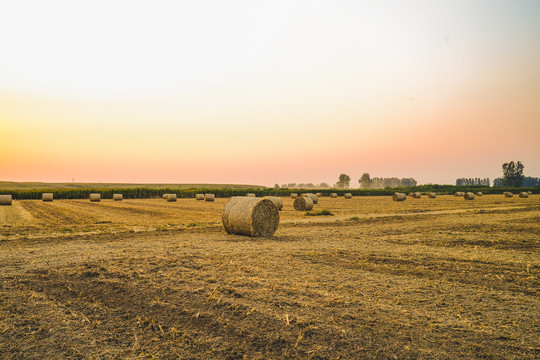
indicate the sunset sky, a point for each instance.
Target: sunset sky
{"x":265,"y":92}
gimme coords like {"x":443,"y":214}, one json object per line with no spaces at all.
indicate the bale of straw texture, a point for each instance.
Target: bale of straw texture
{"x":165,"y":196}
{"x":333,"y":195}
{"x":399,"y":196}
{"x":529,"y":192}
{"x":508,"y":194}
{"x":251,"y":195}
{"x":199,"y":196}
{"x":319,"y":194}
{"x":431,"y":195}
{"x":347,"y":196}
{"x":417,"y":195}
{"x":303,"y":203}
{"x":276,"y":200}
{"x":411,"y":194}
{"x":479,"y":193}
{"x":6,"y":199}
{"x":118,"y":197}
{"x":294,"y":195}
{"x":524,"y":194}
{"x":209,"y":197}
{"x":313,"y":197}
{"x":250,"y":216}
{"x":95,"y":197}
{"x":47,"y":197}
{"x":171,"y":197}
{"x":469,"y":196}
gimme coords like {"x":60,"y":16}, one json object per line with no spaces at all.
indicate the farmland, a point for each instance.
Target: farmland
{"x":145,"y":278}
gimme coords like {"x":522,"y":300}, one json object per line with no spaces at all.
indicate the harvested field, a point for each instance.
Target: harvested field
{"x":429,"y":278}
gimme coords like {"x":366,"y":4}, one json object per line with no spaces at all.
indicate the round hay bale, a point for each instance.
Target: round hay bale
{"x":250,"y":216}
{"x":529,"y":192}
{"x":294,"y":195}
{"x":313,"y":197}
{"x":399,"y":196}
{"x":508,"y":194}
{"x":411,"y":194}
{"x":209,"y":197}
{"x":165,"y":196}
{"x":199,"y":196}
{"x":251,"y":195}
{"x":524,"y":194}
{"x":6,"y":199}
{"x":276,"y":200}
{"x":303,"y":203}
{"x":469,"y":196}
{"x":479,"y":193}
{"x":417,"y":195}
{"x":95,"y":197}
{"x":458,"y":194}
{"x":347,"y":196}
{"x":333,"y":195}
{"x":319,"y":194}
{"x":432,"y":195}
{"x":118,"y":197}
{"x":171,"y":197}
{"x":47,"y":197}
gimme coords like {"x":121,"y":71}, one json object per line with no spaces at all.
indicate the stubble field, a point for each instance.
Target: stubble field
{"x":425,"y":278}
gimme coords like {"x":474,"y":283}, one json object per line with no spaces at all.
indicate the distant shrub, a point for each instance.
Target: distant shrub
{"x":319,"y":213}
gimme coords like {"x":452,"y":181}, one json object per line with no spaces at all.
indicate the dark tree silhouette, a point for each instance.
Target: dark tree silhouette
{"x":513,"y":174}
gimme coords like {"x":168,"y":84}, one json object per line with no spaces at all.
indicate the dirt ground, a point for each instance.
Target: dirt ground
{"x":440,"y":278}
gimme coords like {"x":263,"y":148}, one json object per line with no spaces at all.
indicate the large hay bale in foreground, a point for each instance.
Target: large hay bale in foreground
{"x":209,"y":197}
{"x":199,"y":196}
{"x":469,"y":196}
{"x":508,"y":194}
{"x":251,"y":195}
{"x":479,"y":193}
{"x":432,"y":195}
{"x":118,"y":197}
{"x":276,"y":200}
{"x":347,"y":196}
{"x":333,"y":195}
{"x":303,"y":203}
{"x":47,"y":197}
{"x":313,"y":197}
{"x":250,"y":216}
{"x":524,"y":194}
{"x":6,"y":199}
{"x":399,"y":196}
{"x":294,"y":195}
{"x":171,"y":197}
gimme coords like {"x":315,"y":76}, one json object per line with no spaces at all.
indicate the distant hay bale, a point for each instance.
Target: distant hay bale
{"x":411,"y":194}
{"x":95,"y":197}
{"x":165,"y":196}
{"x":294,"y":195}
{"x":459,"y":194}
{"x":469,"y":196}
{"x":508,"y":194}
{"x":209,"y":197}
{"x":479,"y":193}
{"x":333,"y":195}
{"x":47,"y":197}
{"x":313,"y":197}
{"x":319,"y":194}
{"x":417,"y":195}
{"x":303,"y":203}
{"x":431,"y":195}
{"x":6,"y":199}
{"x":524,"y":194}
{"x":171,"y":197}
{"x":347,"y":196}
{"x":199,"y":196}
{"x":276,"y":200}
{"x":250,"y":216}
{"x":118,"y":197}
{"x":251,"y":195}
{"x":529,"y":192}
{"x":399,"y":196}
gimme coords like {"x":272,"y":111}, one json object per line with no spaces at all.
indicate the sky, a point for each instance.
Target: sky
{"x":266,"y":92}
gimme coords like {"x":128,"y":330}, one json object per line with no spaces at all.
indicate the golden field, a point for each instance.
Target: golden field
{"x":424,"y":278}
